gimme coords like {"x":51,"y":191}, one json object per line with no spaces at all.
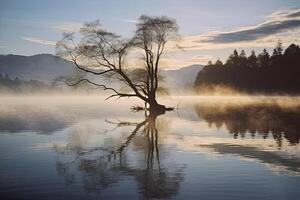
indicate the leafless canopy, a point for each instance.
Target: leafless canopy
{"x":100,"y":52}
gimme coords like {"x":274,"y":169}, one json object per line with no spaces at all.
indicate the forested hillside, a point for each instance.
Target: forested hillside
{"x":276,"y":73}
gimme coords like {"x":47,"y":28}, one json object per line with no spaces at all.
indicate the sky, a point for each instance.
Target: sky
{"x":209,"y":29}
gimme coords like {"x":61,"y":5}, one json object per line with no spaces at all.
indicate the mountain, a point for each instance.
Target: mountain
{"x":46,"y":67}
{"x":42,"y":67}
{"x":182,"y":77}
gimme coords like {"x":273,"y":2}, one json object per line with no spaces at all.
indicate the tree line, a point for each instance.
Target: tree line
{"x":276,"y":73}
{"x":18,"y":85}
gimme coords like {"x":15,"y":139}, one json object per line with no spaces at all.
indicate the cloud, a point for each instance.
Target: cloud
{"x":64,"y":26}
{"x":289,"y":13}
{"x":200,"y":48}
{"x":39,"y":41}
{"x":294,"y":14}
{"x":202,"y":58}
{"x":132,"y":21}
{"x":277,"y":22}
{"x":254,"y":33}
{"x":281,"y":24}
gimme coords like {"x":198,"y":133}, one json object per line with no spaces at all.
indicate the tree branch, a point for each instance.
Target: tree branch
{"x":104,"y":88}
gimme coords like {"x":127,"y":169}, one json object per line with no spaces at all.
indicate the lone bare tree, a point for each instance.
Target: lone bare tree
{"x":103,"y":53}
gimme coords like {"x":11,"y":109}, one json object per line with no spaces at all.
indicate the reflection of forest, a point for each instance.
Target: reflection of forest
{"x":101,"y":167}
{"x":275,"y":161}
{"x":265,"y":120}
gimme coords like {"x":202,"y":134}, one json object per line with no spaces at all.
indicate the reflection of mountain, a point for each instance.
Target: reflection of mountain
{"x":104,"y":166}
{"x":253,"y":119}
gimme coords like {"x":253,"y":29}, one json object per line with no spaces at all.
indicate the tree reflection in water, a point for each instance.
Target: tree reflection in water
{"x":255,"y":119}
{"x":101,"y":167}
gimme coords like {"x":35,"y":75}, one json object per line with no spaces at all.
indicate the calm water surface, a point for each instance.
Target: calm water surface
{"x":209,"y":148}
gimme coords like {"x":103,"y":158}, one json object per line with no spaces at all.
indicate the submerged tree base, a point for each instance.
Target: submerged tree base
{"x":154,"y":109}
{"x":159,"y":109}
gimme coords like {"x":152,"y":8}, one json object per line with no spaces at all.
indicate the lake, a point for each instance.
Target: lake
{"x":207,"y":148}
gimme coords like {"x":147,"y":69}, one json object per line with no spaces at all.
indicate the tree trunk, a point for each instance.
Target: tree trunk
{"x":155,"y":107}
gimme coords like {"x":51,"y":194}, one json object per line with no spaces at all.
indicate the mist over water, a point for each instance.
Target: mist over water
{"x":74,"y":147}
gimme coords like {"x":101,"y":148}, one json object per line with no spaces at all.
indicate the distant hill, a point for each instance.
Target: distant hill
{"x":182,"y":77}
{"x":46,"y":67}
{"x":42,"y":67}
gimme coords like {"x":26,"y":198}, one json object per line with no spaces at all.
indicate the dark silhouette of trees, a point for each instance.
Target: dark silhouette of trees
{"x":278,"y":49}
{"x":103,"y":53}
{"x":252,"y":60}
{"x":264,"y":59}
{"x":278,"y":73}
{"x":18,"y":85}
